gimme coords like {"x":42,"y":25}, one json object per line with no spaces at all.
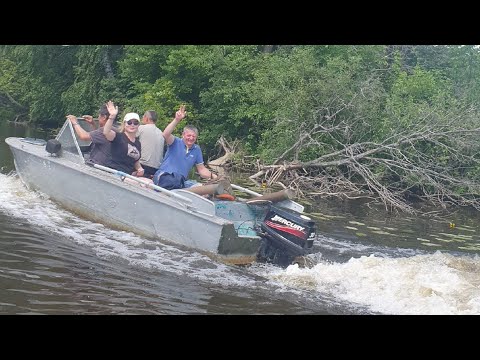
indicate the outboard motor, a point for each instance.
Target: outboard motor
{"x":286,"y":235}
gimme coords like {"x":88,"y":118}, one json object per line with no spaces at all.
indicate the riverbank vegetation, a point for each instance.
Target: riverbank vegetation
{"x":392,"y":123}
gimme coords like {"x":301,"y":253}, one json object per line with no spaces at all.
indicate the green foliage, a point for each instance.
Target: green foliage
{"x":159,"y":97}
{"x":37,"y":79}
{"x":143,"y":63}
{"x":459,"y":64}
{"x":188,"y":68}
{"x":414,"y":98}
{"x":269,"y":97}
{"x":8,"y":77}
{"x":94,"y":82}
{"x":47,"y":70}
{"x":301,"y":95}
{"x":226,"y":105}
{"x":161,"y":78}
{"x":6,"y":114}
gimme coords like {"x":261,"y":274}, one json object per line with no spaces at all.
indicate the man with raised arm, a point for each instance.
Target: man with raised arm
{"x":182,"y":154}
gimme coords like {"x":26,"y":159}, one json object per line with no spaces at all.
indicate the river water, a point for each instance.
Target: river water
{"x":365,"y":261}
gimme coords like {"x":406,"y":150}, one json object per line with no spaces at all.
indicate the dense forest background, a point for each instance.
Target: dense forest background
{"x":395,"y":123}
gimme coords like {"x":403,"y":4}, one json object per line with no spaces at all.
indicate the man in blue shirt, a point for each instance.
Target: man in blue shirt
{"x":182,"y":154}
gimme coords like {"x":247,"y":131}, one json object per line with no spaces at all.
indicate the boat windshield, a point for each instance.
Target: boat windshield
{"x":71,"y":144}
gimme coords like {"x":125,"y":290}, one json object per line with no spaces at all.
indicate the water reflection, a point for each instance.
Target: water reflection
{"x":363,"y":224}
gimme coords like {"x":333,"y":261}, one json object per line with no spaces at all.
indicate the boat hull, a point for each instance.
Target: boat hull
{"x":105,"y":198}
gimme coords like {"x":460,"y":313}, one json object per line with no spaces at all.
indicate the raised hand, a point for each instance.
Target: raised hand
{"x":181,"y":113}
{"x":112,"y":109}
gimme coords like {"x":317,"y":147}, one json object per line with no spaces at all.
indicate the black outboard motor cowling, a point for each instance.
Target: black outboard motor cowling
{"x":287,"y":234}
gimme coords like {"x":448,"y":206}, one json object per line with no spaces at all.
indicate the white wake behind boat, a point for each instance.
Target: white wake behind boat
{"x":237,"y":232}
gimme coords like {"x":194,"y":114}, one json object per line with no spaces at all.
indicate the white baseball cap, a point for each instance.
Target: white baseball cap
{"x":131,"y":116}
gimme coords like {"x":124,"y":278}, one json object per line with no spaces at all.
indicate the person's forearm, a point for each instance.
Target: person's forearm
{"x":108,"y":126}
{"x":138,"y":166}
{"x":139,"y":170}
{"x":81,"y":133}
{"x":167,"y":133}
{"x":207,"y":174}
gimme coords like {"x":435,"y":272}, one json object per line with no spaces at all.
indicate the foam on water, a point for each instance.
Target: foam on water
{"x":437,"y":283}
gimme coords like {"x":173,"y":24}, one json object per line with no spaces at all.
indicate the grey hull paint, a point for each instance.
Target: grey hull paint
{"x":103,"y":197}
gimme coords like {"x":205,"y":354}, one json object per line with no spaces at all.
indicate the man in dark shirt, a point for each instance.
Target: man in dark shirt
{"x":100,"y":152}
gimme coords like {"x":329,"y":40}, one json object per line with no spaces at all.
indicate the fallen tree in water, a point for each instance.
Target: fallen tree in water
{"x":434,"y":161}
